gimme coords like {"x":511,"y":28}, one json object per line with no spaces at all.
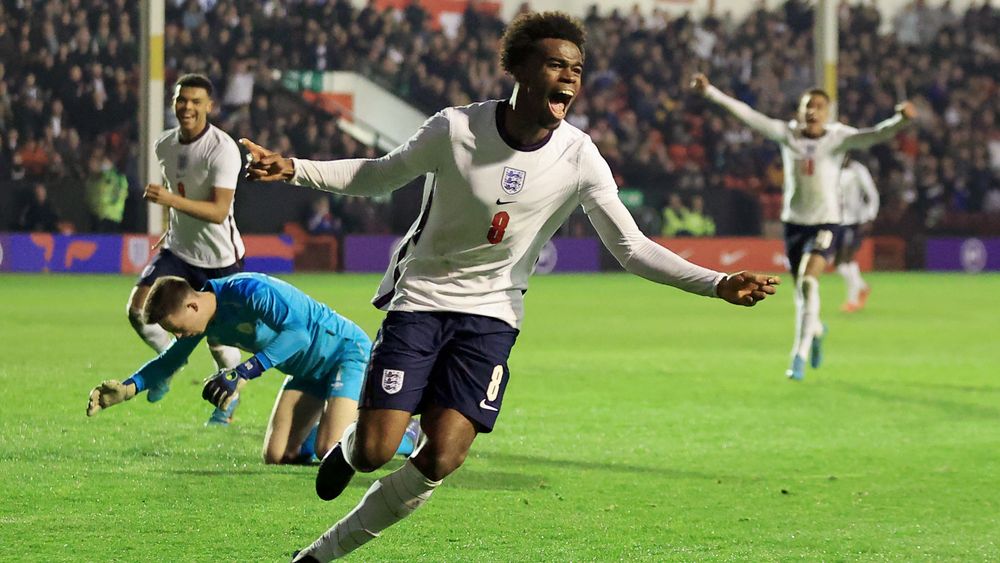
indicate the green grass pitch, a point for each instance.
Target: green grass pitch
{"x":641,"y":423}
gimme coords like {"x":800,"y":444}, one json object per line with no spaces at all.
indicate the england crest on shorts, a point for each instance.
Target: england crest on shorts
{"x":392,"y":380}
{"x":513,"y":180}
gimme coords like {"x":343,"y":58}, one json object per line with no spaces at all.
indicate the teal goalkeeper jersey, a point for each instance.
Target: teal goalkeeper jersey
{"x":282,"y":326}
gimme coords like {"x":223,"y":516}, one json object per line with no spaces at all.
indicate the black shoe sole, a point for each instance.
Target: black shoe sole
{"x":306,"y":559}
{"x":334,"y":474}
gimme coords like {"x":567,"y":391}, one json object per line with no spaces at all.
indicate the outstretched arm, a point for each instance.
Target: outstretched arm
{"x":643,"y":257}
{"x":864,"y":138}
{"x":111,"y":392}
{"x":358,"y":176}
{"x":773,"y":129}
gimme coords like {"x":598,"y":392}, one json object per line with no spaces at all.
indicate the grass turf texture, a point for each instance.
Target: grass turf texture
{"x":641,"y":424}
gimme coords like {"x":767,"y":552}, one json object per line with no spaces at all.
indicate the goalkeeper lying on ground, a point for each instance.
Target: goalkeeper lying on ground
{"x":324,"y":355}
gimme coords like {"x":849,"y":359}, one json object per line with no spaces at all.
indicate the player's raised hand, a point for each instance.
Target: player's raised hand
{"x":267,"y":165}
{"x":156,"y":193}
{"x":700,"y":83}
{"x":907,"y":109}
{"x":107,"y":394}
{"x":744,"y":288}
{"x":223,"y":388}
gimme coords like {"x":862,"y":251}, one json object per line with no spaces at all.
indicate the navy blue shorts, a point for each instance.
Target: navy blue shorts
{"x":809,"y":239}
{"x":167,"y":263}
{"x":451,"y":360}
{"x":849,"y":242}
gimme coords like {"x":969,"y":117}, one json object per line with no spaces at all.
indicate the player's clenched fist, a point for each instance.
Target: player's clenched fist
{"x":908,"y":109}
{"x":107,"y":394}
{"x":699,"y":83}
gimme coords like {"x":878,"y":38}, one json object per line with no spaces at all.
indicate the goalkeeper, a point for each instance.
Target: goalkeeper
{"x":323,"y":354}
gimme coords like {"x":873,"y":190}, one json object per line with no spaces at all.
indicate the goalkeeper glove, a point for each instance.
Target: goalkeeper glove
{"x":109,"y":393}
{"x":223,"y":387}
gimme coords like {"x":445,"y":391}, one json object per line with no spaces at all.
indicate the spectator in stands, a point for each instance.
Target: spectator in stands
{"x":106,"y":191}
{"x":34,"y":158}
{"x":38,"y":214}
{"x":674,"y":217}
{"x":76,"y":53}
{"x":697,"y":222}
{"x":319,"y":220}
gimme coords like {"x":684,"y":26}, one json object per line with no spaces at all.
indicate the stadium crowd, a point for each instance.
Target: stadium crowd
{"x":69,"y":84}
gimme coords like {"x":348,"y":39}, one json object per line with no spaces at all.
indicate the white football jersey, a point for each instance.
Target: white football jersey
{"x":192,"y":170}
{"x":488,"y":210}
{"x":811,"y":167}
{"x":860,"y":195}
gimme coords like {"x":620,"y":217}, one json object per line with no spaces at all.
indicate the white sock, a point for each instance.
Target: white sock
{"x":859,"y":282}
{"x":389,"y":500}
{"x":225,"y":356}
{"x":809,"y":324}
{"x":152,"y":334}
{"x":800,"y":304}
{"x":347,"y":442}
{"x":850,"y":281}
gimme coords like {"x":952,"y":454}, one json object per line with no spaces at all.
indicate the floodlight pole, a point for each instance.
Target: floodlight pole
{"x":825,"y":48}
{"x":151,"y":16}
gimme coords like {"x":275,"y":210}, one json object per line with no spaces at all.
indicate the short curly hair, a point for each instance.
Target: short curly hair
{"x":518,"y":42}
{"x":196,"y":81}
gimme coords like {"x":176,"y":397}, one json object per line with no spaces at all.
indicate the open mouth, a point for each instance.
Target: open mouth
{"x":559,"y":102}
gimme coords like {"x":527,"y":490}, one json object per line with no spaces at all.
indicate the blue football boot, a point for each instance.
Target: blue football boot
{"x":223,"y":417}
{"x":816,"y":350}
{"x":796,"y":371}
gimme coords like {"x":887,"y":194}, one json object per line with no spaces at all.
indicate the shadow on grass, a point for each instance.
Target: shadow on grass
{"x":262,"y":470}
{"x":464,"y":478}
{"x":594,"y":465}
{"x":957,"y":408}
{"x":471,"y":476}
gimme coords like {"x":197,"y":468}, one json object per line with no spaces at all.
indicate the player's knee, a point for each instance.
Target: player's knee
{"x":273,"y":458}
{"x":370,"y":455}
{"x":809,"y":283}
{"x":135,"y":318}
{"x":271,"y":453}
{"x":436,"y":464}
{"x":324,"y":446}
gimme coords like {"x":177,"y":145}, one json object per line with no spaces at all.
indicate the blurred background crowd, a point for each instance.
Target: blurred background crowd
{"x":69,"y":84}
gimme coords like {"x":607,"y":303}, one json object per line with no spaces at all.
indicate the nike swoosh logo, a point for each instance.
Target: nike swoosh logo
{"x":505,"y":202}
{"x":483,"y":405}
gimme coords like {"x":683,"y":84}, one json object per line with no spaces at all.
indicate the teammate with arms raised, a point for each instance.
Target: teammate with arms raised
{"x":502,"y":177}
{"x":860,"y":205}
{"x":323,"y":354}
{"x":812,"y":151}
{"x":201,"y":165}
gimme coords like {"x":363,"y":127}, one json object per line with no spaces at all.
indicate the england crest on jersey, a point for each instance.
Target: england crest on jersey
{"x":392,"y":380}
{"x":513,"y":180}
{"x":182,"y":162}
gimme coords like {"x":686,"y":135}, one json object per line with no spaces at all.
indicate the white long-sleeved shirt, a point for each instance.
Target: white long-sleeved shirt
{"x":811,"y":166}
{"x":489,"y":208}
{"x":861,"y":199}
{"x":194,"y":169}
